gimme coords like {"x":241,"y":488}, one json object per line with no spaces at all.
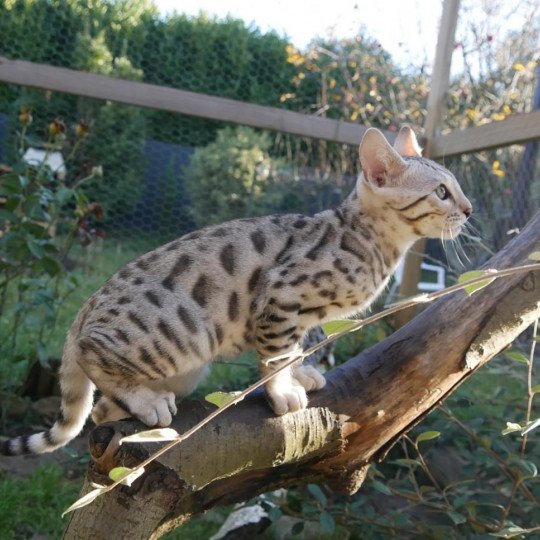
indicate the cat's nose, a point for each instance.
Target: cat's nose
{"x":467,"y":211}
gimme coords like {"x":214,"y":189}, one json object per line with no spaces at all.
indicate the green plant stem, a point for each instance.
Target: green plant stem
{"x":21,"y":139}
{"x":412,"y":477}
{"x":517,"y":481}
{"x":428,"y":472}
{"x":506,"y":512}
{"x":529,"y":385}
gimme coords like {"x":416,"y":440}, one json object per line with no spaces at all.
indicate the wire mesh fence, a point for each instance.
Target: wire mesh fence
{"x":148,"y":176}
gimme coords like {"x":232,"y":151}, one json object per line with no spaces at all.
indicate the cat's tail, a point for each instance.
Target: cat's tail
{"x":77,"y":396}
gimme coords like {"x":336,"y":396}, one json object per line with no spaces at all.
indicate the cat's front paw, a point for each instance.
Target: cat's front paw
{"x":159,"y":411}
{"x":287,"y":399}
{"x":308,"y":377}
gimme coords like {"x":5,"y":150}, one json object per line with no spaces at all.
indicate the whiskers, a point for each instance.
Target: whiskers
{"x":454,"y":244}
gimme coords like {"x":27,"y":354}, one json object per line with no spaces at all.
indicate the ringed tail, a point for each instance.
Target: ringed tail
{"x":77,"y":397}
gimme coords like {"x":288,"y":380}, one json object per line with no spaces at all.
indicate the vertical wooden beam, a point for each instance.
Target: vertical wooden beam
{"x":435,"y":110}
{"x":440,"y":78}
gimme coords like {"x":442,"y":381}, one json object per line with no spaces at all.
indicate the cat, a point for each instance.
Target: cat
{"x":149,"y":334}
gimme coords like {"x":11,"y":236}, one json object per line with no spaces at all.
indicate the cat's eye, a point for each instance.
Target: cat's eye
{"x":442,"y":192}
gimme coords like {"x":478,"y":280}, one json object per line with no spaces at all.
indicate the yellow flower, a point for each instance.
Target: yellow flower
{"x":294,"y":56}
{"x":519,"y":67}
{"x":507,"y":110}
{"x":495,"y":169}
{"x":471,"y":113}
{"x":498,"y":117}
{"x":57,"y":128}
{"x":82,"y":129}
{"x":285,"y":97}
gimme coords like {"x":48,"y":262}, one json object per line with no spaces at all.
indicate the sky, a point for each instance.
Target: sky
{"x":405,"y":28}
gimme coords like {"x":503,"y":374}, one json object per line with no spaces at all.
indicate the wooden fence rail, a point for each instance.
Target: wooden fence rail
{"x":514,"y":130}
{"x":179,"y":101}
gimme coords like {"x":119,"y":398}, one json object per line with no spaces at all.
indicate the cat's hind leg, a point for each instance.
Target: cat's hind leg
{"x":105,"y":410}
{"x":150,"y":407}
{"x":126,"y":388}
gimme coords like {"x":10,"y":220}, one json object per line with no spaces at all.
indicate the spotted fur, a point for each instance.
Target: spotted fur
{"x":149,"y":334}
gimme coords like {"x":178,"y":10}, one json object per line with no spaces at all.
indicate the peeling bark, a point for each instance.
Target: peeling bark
{"x":368,"y":403}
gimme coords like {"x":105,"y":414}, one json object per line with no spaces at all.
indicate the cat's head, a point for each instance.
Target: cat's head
{"x":423,"y":196}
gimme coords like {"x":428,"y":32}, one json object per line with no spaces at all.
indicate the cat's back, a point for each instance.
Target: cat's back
{"x":213,"y":273}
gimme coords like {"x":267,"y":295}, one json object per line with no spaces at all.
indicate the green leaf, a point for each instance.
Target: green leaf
{"x":125,"y":475}
{"x":35,"y":247}
{"x":535,"y":256}
{"x":536,"y":389}
{"x":63,"y":195}
{"x":152,"y":435}
{"x":328,"y":525}
{"x":427,"y":436}
{"x":456,"y":517}
{"x":50,"y":265}
{"x":85,"y":500}
{"x":221,"y":398}
{"x":510,"y":428}
{"x":406,"y":462}
{"x":528,"y":467}
{"x":509,"y":531}
{"x":297,"y":528}
{"x":317,"y":492}
{"x":460,"y":501}
{"x":471,"y":289}
{"x":334,"y":327}
{"x":382,"y":488}
{"x":274,"y":513}
{"x":517,"y":356}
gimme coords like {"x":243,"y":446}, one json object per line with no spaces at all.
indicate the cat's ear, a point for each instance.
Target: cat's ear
{"x":406,"y":143}
{"x":381,"y":164}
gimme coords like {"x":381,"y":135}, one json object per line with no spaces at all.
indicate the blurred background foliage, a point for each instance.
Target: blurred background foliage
{"x":139,"y":177}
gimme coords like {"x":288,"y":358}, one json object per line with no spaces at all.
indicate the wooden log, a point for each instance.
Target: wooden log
{"x":368,"y":403}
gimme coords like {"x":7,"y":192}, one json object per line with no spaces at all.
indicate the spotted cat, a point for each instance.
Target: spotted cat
{"x":149,"y":334}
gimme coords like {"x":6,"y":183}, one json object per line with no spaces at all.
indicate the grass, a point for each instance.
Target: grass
{"x":32,"y":507}
{"x":93,"y":265}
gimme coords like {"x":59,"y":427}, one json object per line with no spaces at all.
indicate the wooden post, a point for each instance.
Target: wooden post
{"x":435,"y":110}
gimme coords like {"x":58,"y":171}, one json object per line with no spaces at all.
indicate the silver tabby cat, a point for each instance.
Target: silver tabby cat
{"x":150,"y":333}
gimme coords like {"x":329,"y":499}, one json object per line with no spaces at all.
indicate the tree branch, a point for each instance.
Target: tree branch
{"x":368,"y":403}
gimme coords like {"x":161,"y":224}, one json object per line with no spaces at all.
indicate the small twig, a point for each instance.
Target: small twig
{"x":426,"y":469}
